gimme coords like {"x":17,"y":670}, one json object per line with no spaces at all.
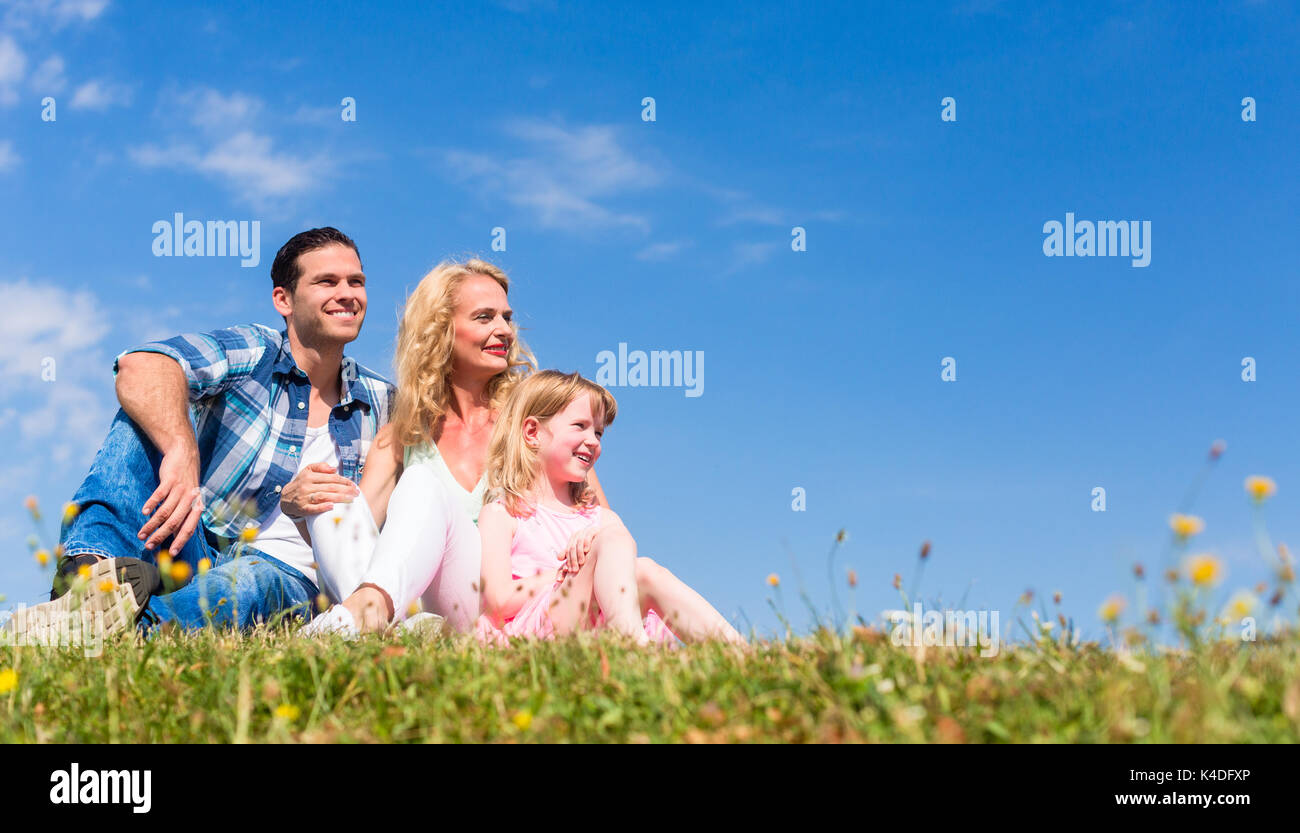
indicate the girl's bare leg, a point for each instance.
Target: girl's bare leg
{"x":687,"y":613}
{"x":615,"y":588}
{"x":571,"y":606}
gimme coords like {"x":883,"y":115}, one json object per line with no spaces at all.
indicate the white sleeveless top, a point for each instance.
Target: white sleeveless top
{"x":427,"y":454}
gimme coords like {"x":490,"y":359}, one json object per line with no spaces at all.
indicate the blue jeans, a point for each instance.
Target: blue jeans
{"x":243,"y":587}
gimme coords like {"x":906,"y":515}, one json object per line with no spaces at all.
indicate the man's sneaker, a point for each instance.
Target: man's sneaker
{"x":115,"y":595}
{"x":65,"y":572}
{"x":336,"y":621}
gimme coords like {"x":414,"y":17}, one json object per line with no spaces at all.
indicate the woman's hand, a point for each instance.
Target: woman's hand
{"x":316,"y":489}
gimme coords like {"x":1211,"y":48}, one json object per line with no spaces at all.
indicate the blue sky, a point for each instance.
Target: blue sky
{"x":822,"y":367}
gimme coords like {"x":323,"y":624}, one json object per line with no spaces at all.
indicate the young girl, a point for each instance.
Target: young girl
{"x":534,"y":582}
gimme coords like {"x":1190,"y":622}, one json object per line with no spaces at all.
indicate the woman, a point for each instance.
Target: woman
{"x":458,"y":357}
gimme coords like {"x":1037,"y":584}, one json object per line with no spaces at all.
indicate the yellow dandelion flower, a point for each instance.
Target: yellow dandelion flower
{"x":165,"y":562}
{"x":1203,"y":569}
{"x":83,"y":572}
{"x":33,"y":507}
{"x":107,"y":586}
{"x":413,"y":608}
{"x":205,"y":564}
{"x":70,"y":513}
{"x":773,"y":579}
{"x":1241,"y":605}
{"x":1185,"y":526}
{"x":42,"y":557}
{"x":1260,"y":488}
{"x":8,"y":680}
{"x":1111,"y":608}
{"x":287,"y":712}
{"x":248,"y":534}
{"x":180,"y":572}
{"x":522,"y":719}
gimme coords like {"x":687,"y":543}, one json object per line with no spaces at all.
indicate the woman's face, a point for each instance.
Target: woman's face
{"x":482,"y":330}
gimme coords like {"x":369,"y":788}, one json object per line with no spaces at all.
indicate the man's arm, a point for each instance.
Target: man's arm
{"x":154,"y":393}
{"x":157,"y":398}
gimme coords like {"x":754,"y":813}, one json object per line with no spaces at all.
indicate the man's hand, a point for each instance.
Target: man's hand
{"x":175,"y":507}
{"x":316,"y":489}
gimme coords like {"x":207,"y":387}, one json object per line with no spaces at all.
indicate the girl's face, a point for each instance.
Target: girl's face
{"x":482,"y":327}
{"x":568,"y":443}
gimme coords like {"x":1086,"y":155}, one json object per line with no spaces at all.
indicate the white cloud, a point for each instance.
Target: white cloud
{"x":13,"y":64}
{"x":567,"y":177}
{"x":228,"y":150}
{"x":744,"y":255}
{"x":316,"y":115}
{"x":54,"y":331}
{"x":45,"y":321}
{"x":210,"y":109}
{"x":742,"y":208}
{"x":48,"y":78}
{"x":100,"y":95}
{"x":246,"y":162}
{"x":52,"y":428}
{"x":660,"y":251}
{"x":8,"y":158}
{"x":27,"y":14}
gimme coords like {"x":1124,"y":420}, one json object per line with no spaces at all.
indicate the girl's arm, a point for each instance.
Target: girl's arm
{"x":503,"y":594}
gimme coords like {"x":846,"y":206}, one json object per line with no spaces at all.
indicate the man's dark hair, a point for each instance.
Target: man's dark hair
{"x":285,"y":270}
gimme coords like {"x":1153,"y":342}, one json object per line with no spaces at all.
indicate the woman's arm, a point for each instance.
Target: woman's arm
{"x":379,"y":478}
{"x":383,"y":467}
{"x":594,"y":482}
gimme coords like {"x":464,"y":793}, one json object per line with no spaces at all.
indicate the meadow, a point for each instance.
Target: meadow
{"x":1192,"y":669}
{"x":272,"y":686}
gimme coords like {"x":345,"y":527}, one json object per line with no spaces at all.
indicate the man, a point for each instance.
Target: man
{"x":216,"y":430}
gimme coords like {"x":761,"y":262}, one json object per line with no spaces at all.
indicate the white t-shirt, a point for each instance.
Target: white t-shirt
{"x":279,"y":538}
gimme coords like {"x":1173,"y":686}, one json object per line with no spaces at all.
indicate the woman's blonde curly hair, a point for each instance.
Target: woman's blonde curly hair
{"x":423,"y":355}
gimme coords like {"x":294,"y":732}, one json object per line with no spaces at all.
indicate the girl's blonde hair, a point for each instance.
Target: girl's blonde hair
{"x":422,"y":358}
{"x":514,"y":468}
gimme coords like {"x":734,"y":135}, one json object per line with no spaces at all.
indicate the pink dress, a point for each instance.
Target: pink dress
{"x":538,"y":547}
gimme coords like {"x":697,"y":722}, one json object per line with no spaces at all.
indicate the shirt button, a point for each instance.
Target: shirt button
{"x":293,"y":449}
{"x":277,"y":490}
{"x":301,"y":406}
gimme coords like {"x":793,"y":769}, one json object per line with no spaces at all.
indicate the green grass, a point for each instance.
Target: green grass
{"x":824,"y":688}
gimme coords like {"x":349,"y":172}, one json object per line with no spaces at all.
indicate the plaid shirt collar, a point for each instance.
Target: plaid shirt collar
{"x":352,"y":389}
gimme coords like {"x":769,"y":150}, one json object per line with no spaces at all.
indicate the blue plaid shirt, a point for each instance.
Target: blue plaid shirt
{"x":250,"y":403}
